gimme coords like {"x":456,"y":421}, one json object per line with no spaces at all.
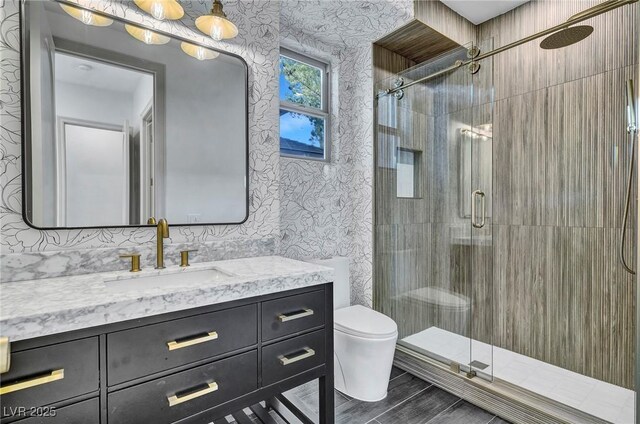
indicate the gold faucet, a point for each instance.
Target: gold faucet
{"x":162,"y":233}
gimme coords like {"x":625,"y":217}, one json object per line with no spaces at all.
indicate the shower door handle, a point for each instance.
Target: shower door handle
{"x":474,"y":221}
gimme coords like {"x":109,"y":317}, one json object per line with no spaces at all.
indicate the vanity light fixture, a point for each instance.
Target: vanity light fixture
{"x":86,"y":17}
{"x":216,"y":24}
{"x":161,"y":9}
{"x":199,"y":52}
{"x":146,"y":35}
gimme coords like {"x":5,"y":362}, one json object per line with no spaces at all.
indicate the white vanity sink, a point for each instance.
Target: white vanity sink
{"x":168,"y":279}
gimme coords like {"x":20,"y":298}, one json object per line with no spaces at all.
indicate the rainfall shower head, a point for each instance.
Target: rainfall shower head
{"x":572,"y":34}
{"x":566,"y":37}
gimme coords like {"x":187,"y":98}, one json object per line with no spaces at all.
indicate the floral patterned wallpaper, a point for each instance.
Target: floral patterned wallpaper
{"x":326,"y":207}
{"x":257,"y":43}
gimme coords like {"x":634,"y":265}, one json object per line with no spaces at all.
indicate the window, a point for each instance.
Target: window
{"x":304,"y":106}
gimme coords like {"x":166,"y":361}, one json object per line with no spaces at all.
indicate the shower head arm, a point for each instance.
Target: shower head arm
{"x":602,"y":6}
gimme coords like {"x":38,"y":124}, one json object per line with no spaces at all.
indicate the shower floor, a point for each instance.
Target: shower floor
{"x":600,"y":399}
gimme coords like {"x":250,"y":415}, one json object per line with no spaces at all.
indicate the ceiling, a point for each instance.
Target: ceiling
{"x":479,"y":11}
{"x":98,"y":74}
{"x":345,"y":22}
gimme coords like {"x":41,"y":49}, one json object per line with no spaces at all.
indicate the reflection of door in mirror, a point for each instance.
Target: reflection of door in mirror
{"x":92,"y":174}
{"x":103,"y":144}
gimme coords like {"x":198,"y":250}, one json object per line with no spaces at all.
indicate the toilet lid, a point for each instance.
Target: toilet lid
{"x":364,"y":322}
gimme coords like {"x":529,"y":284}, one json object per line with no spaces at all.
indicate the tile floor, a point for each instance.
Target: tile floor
{"x":410,"y":400}
{"x":603,"y":400}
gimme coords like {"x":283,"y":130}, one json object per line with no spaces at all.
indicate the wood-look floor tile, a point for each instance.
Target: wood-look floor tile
{"x":312,"y":402}
{"x":421,"y":408}
{"x":462,"y":412}
{"x":498,"y":420}
{"x":396,"y":372}
{"x":400,"y":389}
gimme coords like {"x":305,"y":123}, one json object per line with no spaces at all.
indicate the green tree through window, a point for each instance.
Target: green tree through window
{"x":304,"y":88}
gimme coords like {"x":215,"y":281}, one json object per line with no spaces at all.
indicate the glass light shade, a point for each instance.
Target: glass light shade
{"x":146,"y":35}
{"x":161,"y":9}
{"x":86,"y":17}
{"x":216,"y":25}
{"x":199,"y":52}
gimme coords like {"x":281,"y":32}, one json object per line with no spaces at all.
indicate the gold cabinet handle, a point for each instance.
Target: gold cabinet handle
{"x":174,"y":344}
{"x":297,"y":315}
{"x":5,"y":354}
{"x":38,"y":381}
{"x":285,"y":360}
{"x":177,"y":400}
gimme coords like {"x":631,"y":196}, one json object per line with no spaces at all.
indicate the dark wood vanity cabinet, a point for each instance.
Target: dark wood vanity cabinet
{"x":192,"y":366}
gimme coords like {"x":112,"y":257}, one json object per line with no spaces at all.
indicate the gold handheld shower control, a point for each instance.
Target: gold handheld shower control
{"x":631,"y":108}
{"x":632,"y":130}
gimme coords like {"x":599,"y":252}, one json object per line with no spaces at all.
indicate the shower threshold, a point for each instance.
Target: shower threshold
{"x":598,"y":398}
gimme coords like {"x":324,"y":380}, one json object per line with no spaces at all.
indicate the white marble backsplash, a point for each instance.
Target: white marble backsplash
{"x":50,"y":264}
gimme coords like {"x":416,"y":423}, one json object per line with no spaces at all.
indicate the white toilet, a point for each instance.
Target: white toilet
{"x":364,"y":341}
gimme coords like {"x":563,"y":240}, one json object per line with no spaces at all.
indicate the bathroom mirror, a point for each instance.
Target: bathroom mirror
{"x":122,"y":124}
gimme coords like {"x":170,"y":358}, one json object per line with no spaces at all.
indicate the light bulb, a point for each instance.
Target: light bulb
{"x":157,"y":11}
{"x":86,"y":17}
{"x":148,"y":36}
{"x":216,"y":29}
{"x":201,"y":54}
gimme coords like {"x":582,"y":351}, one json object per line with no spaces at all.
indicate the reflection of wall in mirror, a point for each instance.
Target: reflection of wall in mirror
{"x":205,"y":174}
{"x":42,"y":202}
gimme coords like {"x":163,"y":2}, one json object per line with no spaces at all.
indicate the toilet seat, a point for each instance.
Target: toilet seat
{"x":364,"y":322}
{"x":440,"y":297}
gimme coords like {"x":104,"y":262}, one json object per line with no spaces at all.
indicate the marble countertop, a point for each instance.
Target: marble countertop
{"x":42,"y":307}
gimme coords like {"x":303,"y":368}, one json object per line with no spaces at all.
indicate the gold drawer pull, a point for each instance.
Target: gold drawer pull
{"x":301,"y":314}
{"x":5,"y":354}
{"x":38,"y":381}
{"x":285,"y":360}
{"x":175,"y":400}
{"x":173,"y":345}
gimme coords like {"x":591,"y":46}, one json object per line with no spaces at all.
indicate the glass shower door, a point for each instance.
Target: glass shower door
{"x":424,"y":242}
{"x":477,"y":147}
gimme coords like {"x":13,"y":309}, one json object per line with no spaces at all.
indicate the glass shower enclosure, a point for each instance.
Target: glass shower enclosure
{"x":433,"y":204}
{"x":498,"y":211}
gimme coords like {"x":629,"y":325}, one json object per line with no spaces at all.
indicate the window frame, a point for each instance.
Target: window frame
{"x":323,"y":113}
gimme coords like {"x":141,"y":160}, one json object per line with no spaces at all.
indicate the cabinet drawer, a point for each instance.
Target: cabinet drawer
{"x":50,"y":374}
{"x":290,"y":357}
{"x":146,"y":350}
{"x":180,"y":395}
{"x":292,"y":314}
{"x":80,"y":413}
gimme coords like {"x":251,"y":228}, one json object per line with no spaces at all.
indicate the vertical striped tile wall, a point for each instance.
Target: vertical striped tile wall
{"x":444,"y":20}
{"x":560,"y":160}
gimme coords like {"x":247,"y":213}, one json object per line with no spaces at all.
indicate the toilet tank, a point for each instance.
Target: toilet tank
{"x":341,"y":284}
